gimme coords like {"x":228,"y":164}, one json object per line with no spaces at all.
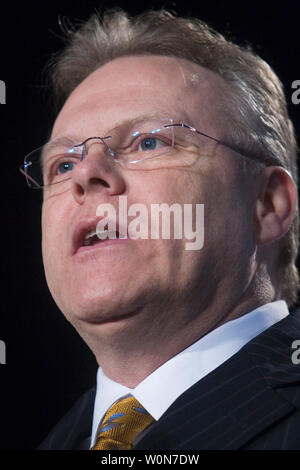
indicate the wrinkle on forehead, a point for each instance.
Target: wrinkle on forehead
{"x":134,"y":81}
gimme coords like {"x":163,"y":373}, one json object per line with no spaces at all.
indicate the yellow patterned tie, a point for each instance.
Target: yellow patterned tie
{"x":124,"y":420}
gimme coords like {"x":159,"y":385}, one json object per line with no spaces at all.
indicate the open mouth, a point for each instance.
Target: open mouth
{"x":95,"y":236}
{"x":89,"y":232}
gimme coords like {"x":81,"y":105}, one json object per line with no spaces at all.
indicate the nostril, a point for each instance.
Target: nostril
{"x":100,"y":181}
{"x":80,"y":189}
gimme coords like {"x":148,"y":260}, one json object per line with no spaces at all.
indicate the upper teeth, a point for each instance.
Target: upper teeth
{"x":101,"y":234}
{"x":90,"y":234}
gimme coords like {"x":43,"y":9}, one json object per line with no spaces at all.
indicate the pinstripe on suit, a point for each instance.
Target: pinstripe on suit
{"x":252,"y":401}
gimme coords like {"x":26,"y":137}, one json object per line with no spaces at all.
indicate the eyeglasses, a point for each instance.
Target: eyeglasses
{"x":53,"y":163}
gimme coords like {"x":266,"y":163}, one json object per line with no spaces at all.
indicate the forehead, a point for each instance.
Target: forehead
{"x":131,"y":86}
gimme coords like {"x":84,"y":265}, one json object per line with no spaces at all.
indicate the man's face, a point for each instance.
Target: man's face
{"x":145,"y":281}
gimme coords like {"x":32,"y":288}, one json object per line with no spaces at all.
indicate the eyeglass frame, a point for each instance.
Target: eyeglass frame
{"x":236,"y":149}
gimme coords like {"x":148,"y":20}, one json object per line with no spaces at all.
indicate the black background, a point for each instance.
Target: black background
{"x":48,"y":365}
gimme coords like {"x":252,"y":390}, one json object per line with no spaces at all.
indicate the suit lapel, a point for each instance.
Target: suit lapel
{"x":227,"y":409}
{"x":239,"y":400}
{"x":74,"y":430}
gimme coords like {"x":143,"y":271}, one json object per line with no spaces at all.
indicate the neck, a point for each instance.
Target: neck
{"x":128,"y":357}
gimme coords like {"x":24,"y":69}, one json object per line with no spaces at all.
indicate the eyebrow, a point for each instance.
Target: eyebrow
{"x":177,"y":117}
{"x":65,"y":140}
{"x":142,"y":118}
{"x":71,"y":140}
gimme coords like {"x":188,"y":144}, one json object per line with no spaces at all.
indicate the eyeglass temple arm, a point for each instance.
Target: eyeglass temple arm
{"x":231,"y":147}
{"x":29,"y":178}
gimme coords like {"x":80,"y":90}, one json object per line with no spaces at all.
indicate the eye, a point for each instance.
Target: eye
{"x":60,"y":169}
{"x":151,"y":143}
{"x":65,"y":167}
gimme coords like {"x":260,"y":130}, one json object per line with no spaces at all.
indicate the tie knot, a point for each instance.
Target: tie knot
{"x":122,"y":423}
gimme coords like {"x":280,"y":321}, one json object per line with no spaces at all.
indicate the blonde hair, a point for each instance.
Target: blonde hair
{"x":256,"y":107}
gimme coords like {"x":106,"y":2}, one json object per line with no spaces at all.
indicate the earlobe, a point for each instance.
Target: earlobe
{"x":276,"y":204}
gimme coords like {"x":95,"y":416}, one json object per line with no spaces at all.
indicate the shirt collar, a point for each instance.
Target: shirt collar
{"x":161,"y":388}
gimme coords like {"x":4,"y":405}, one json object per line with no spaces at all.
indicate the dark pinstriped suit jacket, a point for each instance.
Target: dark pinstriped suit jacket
{"x":252,"y":401}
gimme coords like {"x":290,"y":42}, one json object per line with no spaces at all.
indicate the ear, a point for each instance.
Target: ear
{"x":276,"y":204}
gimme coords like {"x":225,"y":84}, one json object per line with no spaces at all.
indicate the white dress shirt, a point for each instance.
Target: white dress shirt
{"x":161,"y":388}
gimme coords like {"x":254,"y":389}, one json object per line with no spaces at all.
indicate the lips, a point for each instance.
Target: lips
{"x":87,"y":234}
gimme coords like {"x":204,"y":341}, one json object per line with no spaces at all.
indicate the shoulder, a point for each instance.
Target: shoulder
{"x":74,"y":429}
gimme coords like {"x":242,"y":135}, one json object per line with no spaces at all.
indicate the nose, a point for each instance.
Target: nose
{"x":95,"y":174}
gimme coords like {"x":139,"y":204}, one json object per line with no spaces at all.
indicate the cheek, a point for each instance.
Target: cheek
{"x":53,"y":229}
{"x":166,"y":186}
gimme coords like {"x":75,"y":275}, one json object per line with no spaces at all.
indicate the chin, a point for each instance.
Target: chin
{"x":101,"y":308}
